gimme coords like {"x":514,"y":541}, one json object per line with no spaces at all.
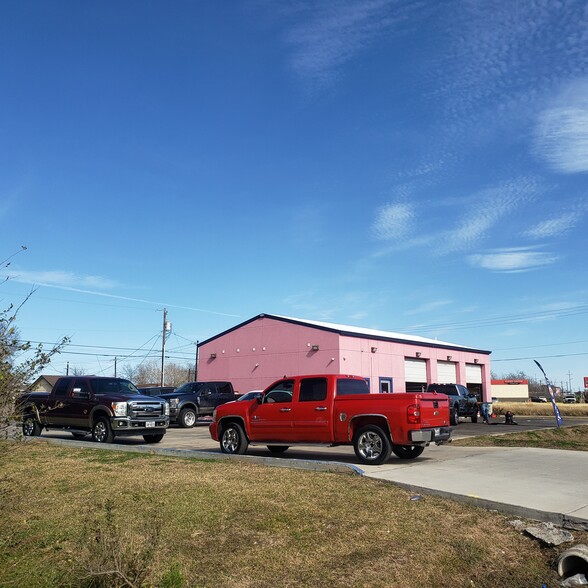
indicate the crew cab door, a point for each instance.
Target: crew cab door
{"x":79,"y":404}
{"x":311,"y":414}
{"x":56,"y":411}
{"x":224,"y":393}
{"x":271,"y":419}
{"x":207,"y":398}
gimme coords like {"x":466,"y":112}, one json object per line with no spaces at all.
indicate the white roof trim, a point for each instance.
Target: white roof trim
{"x":375,"y":333}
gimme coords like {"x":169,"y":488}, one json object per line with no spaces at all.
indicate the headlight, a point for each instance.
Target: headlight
{"x":119,"y":409}
{"x":173,"y":402}
{"x":166,"y":409}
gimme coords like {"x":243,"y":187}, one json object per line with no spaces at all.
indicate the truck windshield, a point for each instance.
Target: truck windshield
{"x":348,"y":386}
{"x":114,"y":386}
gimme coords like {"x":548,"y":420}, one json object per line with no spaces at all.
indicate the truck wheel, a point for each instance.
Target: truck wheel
{"x":187,"y":418}
{"x":454,"y":417}
{"x":30,"y":426}
{"x":101,"y":431}
{"x":152,"y":438}
{"x":372,"y":445}
{"x":233,"y":439}
{"x":277,"y":449}
{"x":475,"y":418}
{"x":407,"y":451}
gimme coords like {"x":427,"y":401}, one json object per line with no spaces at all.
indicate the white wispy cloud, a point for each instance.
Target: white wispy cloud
{"x":485,"y":210}
{"x":431,"y":306}
{"x":393,"y":221}
{"x":58,"y":278}
{"x":553,"y":226}
{"x":511,"y":260}
{"x":561,"y":136}
{"x":330,"y":34}
{"x":70,"y":282}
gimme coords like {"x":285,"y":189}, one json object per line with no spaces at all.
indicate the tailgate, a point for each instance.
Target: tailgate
{"x":434,"y":410}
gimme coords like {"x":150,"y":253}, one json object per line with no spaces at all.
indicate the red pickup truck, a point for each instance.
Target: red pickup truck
{"x":334,"y":410}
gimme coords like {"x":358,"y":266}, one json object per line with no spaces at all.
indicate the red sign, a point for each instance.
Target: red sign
{"x":586,"y":382}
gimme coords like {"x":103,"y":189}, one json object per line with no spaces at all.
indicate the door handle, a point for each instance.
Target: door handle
{"x":319,"y":408}
{"x":285,"y":409}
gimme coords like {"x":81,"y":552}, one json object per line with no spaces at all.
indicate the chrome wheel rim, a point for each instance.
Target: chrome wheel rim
{"x":28,"y":427}
{"x":230,"y":440}
{"x":370,"y":445}
{"x":190,"y":418}
{"x":100,"y":432}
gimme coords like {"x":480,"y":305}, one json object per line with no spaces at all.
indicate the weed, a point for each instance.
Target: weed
{"x":117,"y":556}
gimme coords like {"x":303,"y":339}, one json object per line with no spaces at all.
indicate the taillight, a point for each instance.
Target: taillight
{"x":413,"y":414}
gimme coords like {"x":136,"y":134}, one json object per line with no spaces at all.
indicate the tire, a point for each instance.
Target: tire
{"x":372,"y":445}
{"x":407,"y":451}
{"x":153,"y":438}
{"x":30,"y":426}
{"x":454,"y":417}
{"x":79,"y":436}
{"x":102,"y":431}
{"x":187,"y":418}
{"x":475,"y":418}
{"x":278,"y":449}
{"x":233,"y":439}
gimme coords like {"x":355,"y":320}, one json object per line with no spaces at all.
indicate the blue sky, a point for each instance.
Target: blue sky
{"x":418,"y":167}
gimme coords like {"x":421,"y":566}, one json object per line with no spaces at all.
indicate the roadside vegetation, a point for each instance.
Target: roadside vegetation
{"x":566,"y":437}
{"x":93,"y":518}
{"x":539,"y":409}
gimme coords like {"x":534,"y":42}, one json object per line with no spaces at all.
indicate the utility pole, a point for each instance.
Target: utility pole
{"x":115,"y":366}
{"x":196,"y":364}
{"x":166,"y":330}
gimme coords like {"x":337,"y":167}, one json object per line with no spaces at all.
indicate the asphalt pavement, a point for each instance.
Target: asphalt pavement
{"x":542,"y":484}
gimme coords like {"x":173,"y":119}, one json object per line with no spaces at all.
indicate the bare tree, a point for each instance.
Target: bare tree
{"x":149,"y":373}
{"x":19,"y":360}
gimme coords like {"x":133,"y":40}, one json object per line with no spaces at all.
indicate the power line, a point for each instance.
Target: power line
{"x":500,"y":320}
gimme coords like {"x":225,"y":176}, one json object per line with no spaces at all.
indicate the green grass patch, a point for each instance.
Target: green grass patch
{"x":569,"y":438}
{"x":70,"y":520}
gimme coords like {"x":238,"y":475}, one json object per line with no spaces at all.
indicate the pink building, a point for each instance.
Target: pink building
{"x":267,"y":347}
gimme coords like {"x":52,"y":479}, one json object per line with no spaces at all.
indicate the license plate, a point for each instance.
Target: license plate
{"x":150,"y":424}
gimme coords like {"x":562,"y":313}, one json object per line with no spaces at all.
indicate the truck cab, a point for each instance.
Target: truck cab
{"x":462,"y":401}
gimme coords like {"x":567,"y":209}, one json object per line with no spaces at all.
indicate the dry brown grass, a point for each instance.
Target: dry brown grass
{"x":569,"y":438}
{"x":233,"y":524}
{"x":540,"y":409}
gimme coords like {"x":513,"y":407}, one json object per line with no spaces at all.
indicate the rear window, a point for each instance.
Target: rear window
{"x":348,"y":386}
{"x":448,"y":389}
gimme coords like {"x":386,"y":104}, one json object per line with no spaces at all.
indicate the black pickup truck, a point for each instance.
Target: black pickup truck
{"x":103,"y":407}
{"x":195,"y":399}
{"x":461,"y":401}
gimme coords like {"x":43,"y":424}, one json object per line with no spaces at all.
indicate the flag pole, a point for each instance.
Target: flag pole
{"x":558,"y":418}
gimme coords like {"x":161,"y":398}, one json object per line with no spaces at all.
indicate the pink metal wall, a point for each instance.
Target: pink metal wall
{"x":264,"y":350}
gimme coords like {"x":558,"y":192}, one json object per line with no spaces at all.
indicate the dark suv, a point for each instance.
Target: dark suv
{"x":195,"y":399}
{"x":461,"y":401}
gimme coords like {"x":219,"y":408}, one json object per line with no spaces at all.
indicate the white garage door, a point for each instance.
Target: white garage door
{"x":415,"y":370}
{"x":473,"y":373}
{"x":446,"y":373}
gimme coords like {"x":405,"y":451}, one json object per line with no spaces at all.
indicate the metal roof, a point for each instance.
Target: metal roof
{"x":352,"y":331}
